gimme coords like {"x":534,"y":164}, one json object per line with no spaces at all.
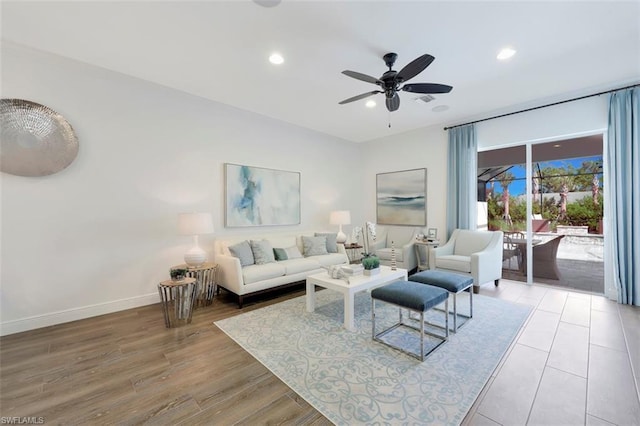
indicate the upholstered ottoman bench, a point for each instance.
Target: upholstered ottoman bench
{"x":453,"y":283}
{"x":414,"y":297}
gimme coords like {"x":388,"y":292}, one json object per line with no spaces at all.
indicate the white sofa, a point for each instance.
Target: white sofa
{"x":255,"y":279}
{"x":475,"y":253}
{"x":403,"y":238}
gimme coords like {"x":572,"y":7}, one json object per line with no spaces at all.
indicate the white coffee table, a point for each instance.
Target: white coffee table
{"x":349,"y":289}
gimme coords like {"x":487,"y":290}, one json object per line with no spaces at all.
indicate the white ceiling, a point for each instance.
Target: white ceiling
{"x":218,"y":50}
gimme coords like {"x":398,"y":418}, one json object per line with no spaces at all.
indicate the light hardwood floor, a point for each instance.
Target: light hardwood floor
{"x":127,"y":368}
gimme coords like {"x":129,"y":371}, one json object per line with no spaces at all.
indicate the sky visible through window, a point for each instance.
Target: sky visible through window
{"x":518,"y":186}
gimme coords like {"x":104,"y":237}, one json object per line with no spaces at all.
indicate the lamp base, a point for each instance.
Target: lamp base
{"x":195,"y":256}
{"x":341,"y":238}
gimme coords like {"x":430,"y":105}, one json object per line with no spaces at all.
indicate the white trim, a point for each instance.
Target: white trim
{"x":74,"y":314}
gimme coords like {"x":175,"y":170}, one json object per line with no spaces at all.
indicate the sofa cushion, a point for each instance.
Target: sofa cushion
{"x":296,"y":266}
{"x":454,"y":263}
{"x":314,"y":246}
{"x":262,"y":252}
{"x":287,"y":253}
{"x":332,"y":243}
{"x":331,"y":259}
{"x":255,"y":273}
{"x":242,"y":251}
{"x":385,"y":254}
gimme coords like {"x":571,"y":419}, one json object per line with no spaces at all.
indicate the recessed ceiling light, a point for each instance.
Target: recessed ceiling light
{"x":370,"y":103}
{"x":557,"y":145}
{"x":506,"y":53}
{"x":440,"y":108}
{"x":276,"y":59}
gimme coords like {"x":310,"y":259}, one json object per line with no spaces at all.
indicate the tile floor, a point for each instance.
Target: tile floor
{"x":575,"y":362}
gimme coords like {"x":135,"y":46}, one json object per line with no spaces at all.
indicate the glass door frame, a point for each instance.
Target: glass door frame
{"x":610,"y":292}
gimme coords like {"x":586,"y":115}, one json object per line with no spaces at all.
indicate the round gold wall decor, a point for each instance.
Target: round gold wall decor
{"x":34,"y":139}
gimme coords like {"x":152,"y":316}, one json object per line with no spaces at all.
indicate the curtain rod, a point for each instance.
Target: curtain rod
{"x":542,"y":106}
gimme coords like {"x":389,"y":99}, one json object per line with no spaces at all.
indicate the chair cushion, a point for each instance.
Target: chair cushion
{"x":385,"y":254}
{"x":454,"y":262}
{"x":446,"y":280}
{"x":411,"y":295}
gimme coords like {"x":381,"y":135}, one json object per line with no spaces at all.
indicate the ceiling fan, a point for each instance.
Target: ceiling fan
{"x":392,"y":81}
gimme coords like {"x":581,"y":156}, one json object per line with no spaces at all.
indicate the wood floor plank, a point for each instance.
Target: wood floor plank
{"x":128,"y":368}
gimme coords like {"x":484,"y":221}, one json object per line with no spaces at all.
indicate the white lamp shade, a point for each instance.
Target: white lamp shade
{"x":340,"y":217}
{"x":195,"y":223}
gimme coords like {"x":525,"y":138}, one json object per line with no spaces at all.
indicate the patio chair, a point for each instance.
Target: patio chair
{"x":544,"y":259}
{"x":510,"y":249}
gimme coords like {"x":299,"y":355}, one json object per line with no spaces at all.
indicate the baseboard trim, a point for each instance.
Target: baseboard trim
{"x":74,"y":314}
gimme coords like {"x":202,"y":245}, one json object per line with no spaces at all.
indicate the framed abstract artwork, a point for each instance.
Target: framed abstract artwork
{"x":255,"y":196}
{"x":401,"y":197}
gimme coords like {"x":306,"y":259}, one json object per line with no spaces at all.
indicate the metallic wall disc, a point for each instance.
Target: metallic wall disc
{"x":34,"y":139}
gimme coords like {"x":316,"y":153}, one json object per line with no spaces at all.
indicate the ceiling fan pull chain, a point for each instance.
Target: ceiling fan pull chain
{"x":389,"y":114}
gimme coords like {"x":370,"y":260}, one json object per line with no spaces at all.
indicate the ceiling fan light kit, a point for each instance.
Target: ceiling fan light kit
{"x":392,"y":82}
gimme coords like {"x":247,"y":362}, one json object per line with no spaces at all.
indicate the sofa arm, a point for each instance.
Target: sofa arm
{"x":230,"y":273}
{"x":409,"y":256}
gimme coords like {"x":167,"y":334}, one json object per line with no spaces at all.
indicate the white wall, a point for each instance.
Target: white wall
{"x":98,"y":236}
{"x":584,"y":117}
{"x":421,"y":148}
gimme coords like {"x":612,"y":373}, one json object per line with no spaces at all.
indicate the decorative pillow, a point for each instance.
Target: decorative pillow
{"x":332,"y":245}
{"x":243,"y":252}
{"x":287,"y":253}
{"x":262,"y":252}
{"x":314,"y":246}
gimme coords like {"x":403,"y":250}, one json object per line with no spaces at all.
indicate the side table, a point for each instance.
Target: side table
{"x":176,"y":298}
{"x":352,"y":252}
{"x":205,"y":276}
{"x":428,"y":245}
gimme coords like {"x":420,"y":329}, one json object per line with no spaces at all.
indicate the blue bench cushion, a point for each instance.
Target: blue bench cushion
{"x":447,"y":280}
{"x":411,"y":295}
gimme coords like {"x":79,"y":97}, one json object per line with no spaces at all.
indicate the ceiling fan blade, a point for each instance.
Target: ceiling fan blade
{"x":357,"y":98}
{"x":427,"y":88}
{"x":393,"y":103}
{"x":362,"y":77}
{"x":414,"y":67}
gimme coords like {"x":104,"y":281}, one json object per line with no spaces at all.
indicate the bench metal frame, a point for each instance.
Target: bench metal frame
{"x":378,"y":337}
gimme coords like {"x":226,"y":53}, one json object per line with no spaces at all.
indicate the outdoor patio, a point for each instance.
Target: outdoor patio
{"x":579,"y":259}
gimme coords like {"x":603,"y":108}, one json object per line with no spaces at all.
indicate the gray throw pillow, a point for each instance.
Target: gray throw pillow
{"x":332,"y":244}
{"x":287,"y":253}
{"x":243,"y":252}
{"x":262,"y":252}
{"x":314,"y":246}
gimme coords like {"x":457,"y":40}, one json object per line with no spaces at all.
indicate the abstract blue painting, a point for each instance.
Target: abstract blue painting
{"x":255,"y":196}
{"x":401,"y":197}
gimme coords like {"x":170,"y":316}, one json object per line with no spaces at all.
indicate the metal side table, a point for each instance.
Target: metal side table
{"x":205,"y":276}
{"x":423,"y":265}
{"x":177,"y":298}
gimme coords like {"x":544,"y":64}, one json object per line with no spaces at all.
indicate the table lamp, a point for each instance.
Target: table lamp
{"x":340,"y":217}
{"x":195,"y":224}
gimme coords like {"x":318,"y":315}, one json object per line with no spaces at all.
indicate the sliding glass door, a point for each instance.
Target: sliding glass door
{"x":548,"y":200}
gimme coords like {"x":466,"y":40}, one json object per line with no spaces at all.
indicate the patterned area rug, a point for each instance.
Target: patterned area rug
{"x":351,"y":379}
